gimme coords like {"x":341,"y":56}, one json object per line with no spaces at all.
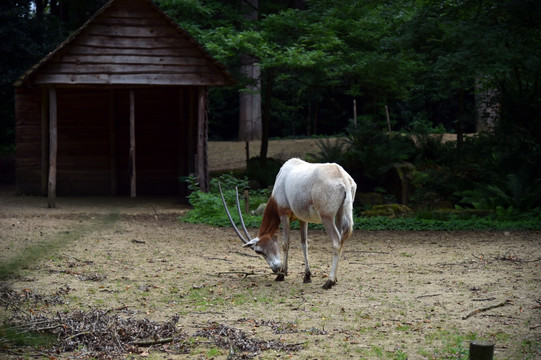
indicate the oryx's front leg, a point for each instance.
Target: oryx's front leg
{"x":337,"y":246}
{"x":304,"y":245}
{"x":284,"y":219}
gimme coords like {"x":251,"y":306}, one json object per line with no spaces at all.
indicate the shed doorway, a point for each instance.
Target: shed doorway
{"x":94,"y":140}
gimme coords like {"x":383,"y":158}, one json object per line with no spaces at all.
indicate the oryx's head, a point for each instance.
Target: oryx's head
{"x":265,"y":245}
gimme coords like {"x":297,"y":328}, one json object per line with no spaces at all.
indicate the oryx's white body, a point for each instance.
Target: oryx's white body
{"x":316,"y":193}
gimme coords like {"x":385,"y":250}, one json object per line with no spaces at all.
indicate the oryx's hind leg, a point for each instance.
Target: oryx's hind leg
{"x":304,"y":245}
{"x":337,"y":246}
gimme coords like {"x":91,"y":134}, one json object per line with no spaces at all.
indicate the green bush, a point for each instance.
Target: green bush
{"x":208,"y":207}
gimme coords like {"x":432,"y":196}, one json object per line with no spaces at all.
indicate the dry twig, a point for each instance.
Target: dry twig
{"x":427,"y":295}
{"x":477,"y":311}
{"x":246,"y":274}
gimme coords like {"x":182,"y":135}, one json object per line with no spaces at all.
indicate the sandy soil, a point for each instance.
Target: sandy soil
{"x":227,"y":155}
{"x":398,"y":294}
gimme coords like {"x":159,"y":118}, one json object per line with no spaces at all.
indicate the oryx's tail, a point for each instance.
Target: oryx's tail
{"x":345,"y":215}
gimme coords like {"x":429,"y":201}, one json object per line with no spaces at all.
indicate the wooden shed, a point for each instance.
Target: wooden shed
{"x":118,"y":108}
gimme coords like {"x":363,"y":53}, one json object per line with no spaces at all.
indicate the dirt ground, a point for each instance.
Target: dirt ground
{"x":235,"y":151}
{"x":414,"y":295}
{"x":399,"y":294}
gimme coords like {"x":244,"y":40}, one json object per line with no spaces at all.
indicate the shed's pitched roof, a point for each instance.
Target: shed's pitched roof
{"x":129,"y":42}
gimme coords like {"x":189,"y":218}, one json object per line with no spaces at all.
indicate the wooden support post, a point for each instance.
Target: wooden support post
{"x":355,"y":113}
{"x":246,"y":201}
{"x":133,"y":178}
{"x":53,"y":146}
{"x":112,"y":144}
{"x":202,"y":170}
{"x":44,"y":140}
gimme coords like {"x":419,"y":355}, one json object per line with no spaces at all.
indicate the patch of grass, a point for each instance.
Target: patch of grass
{"x":530,"y":349}
{"x":32,"y":339}
{"x":206,"y":298}
{"x":49,"y":246}
{"x":449,"y":345}
{"x":212,"y":352}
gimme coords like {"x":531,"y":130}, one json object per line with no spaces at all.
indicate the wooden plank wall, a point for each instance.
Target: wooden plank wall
{"x":131,"y":43}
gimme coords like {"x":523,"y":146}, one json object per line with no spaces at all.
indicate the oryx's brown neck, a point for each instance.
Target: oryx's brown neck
{"x":271,"y":220}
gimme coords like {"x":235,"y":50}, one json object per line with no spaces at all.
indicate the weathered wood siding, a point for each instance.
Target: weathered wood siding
{"x":132,"y":43}
{"x":28,"y":140}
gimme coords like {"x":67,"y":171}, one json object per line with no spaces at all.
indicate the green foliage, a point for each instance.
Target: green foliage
{"x":208,"y":207}
{"x":265,"y":174}
{"x":330,"y":150}
{"x":372,"y":152}
{"x":513,"y":195}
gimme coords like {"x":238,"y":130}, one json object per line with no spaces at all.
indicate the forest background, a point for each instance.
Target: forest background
{"x":424,"y":62}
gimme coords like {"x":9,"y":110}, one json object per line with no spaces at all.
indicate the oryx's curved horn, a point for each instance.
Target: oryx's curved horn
{"x":240,"y":215}
{"x":229,"y":216}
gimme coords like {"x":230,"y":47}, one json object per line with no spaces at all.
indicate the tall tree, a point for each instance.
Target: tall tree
{"x":250,"y":96}
{"x":28,"y":30}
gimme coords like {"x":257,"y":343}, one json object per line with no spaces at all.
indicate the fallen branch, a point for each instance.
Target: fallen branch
{"x":216,"y":258}
{"x":368,"y":252}
{"x":511,"y":256}
{"x":428,"y":295}
{"x":153,"y":342}
{"x":246,"y":274}
{"x":77,"y":335}
{"x":247,"y":255}
{"x":477,"y":311}
{"x":370,"y":264}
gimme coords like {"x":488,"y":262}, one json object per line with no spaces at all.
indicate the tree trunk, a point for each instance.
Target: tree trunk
{"x":250,"y":96}
{"x":267,"y":97}
{"x":487,"y":106}
{"x":460,"y":117}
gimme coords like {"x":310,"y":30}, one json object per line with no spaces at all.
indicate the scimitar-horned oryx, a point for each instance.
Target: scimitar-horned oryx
{"x":310,"y":193}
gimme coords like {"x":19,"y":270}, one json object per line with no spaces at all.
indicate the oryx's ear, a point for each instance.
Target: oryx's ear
{"x":251,"y":243}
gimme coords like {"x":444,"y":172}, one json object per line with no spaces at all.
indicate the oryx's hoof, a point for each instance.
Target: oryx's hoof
{"x":280,"y":277}
{"x":307,"y":278}
{"x":329,"y":284}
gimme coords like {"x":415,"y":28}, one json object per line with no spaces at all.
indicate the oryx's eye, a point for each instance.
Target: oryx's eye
{"x":259,"y":252}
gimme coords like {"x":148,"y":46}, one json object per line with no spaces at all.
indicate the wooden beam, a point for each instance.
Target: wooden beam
{"x":182,"y":143}
{"x":202,"y":169}
{"x":213,"y":79}
{"x":53,"y":146}
{"x":44,"y":140}
{"x":112,"y":144}
{"x":133,"y":181}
